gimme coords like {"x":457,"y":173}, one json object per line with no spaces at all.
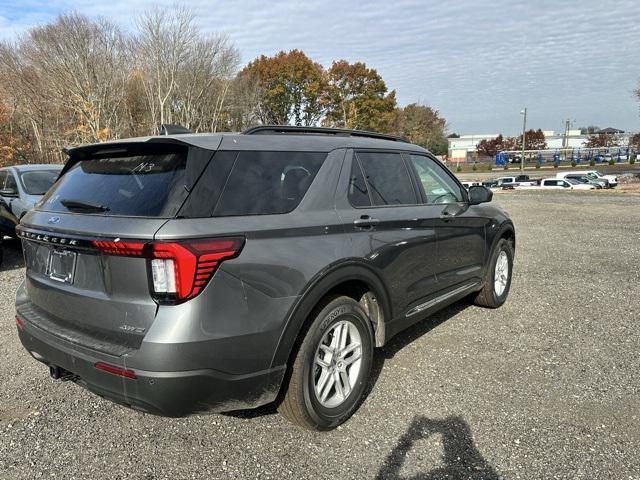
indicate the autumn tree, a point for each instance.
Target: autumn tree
{"x":489,"y":147}
{"x":357,"y":98}
{"x":634,"y":141}
{"x":290,"y":88}
{"x":79,"y":65}
{"x":422,"y":125}
{"x":534,"y":140}
{"x":601,"y":140}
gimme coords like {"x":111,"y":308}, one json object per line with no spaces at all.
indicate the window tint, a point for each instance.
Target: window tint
{"x":438,"y":186}
{"x":358,"y":193}
{"x":39,"y":181}
{"x":263,"y":183}
{"x":387,"y":178}
{"x":3,"y":177}
{"x":11,"y":182}
{"x":551,"y":183}
{"x":149,"y":185}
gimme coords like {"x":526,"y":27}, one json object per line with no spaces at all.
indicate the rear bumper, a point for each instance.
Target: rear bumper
{"x":171,"y":394}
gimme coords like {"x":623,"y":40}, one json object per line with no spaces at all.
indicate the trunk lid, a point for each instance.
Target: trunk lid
{"x":78,"y":292}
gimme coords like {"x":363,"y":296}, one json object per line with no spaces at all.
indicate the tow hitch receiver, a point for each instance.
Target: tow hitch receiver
{"x":58,"y":373}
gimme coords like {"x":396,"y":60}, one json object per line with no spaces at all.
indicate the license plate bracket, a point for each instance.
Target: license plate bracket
{"x":61,"y":266}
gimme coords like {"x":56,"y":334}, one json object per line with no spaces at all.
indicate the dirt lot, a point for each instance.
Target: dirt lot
{"x":545,"y":387}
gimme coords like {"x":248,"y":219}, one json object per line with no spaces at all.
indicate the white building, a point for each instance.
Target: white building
{"x":461,"y":149}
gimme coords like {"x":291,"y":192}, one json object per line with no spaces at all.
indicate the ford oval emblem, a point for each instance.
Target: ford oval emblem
{"x":54,"y":220}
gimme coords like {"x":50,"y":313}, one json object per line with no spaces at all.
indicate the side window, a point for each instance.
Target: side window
{"x":11,"y":182}
{"x":262,"y":183}
{"x":438,"y":186}
{"x":387,"y":178}
{"x":3,"y":177}
{"x":358,"y":192}
{"x":551,"y":183}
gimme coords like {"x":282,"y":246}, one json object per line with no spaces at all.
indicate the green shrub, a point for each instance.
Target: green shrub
{"x":632,"y":160}
{"x":458,"y":168}
{"x":489,"y":167}
{"x":506,"y":166}
{"x":474,"y":168}
{"x":538,"y":165}
{"x":612,"y":162}
{"x":556,"y":164}
{"x":592,"y":163}
{"x":573,"y":163}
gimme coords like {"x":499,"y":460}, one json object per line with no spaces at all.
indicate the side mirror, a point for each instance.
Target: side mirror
{"x":8,"y":192}
{"x":479,"y":194}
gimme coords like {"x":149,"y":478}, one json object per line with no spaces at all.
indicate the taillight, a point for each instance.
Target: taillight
{"x":115,"y":370}
{"x":178,"y":271}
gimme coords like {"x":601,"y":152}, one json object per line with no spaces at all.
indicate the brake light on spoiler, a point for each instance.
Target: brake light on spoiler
{"x":178,"y":271}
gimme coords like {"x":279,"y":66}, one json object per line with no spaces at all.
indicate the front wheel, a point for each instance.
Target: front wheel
{"x":497,"y":281}
{"x":331,"y":368}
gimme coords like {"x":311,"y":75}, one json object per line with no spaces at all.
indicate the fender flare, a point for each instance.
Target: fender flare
{"x":316,"y":289}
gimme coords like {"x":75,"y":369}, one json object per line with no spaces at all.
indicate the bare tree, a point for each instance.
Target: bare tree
{"x":185,"y":75}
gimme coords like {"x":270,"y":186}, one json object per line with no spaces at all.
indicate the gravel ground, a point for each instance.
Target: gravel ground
{"x":545,"y":387}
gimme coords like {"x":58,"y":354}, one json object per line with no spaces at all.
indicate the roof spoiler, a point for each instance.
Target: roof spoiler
{"x":172,"y":129}
{"x":340,"y":132}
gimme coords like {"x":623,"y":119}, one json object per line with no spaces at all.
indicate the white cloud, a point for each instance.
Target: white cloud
{"x":478,"y":63}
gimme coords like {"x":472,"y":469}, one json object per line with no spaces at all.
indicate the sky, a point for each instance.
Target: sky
{"x":478,"y":63}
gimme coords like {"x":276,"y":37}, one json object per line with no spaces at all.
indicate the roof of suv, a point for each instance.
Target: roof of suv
{"x":34,"y":166}
{"x":290,"y":141}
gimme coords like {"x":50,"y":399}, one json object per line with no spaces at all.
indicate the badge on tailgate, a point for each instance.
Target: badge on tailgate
{"x":61,"y":265}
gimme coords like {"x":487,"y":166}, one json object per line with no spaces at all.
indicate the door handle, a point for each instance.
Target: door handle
{"x":446,"y":216}
{"x":365,"y":222}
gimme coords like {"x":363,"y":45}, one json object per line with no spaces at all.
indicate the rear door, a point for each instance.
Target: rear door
{"x":78,"y":289}
{"x":460,"y":227}
{"x":389,"y":227}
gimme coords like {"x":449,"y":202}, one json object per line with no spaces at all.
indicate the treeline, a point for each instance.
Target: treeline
{"x":77,"y":80}
{"x":534,"y":140}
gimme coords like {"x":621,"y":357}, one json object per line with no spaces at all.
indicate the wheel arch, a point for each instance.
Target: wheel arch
{"x":352,"y":279}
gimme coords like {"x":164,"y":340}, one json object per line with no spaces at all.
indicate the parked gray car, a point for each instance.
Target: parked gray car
{"x":214,"y":272}
{"x":21,"y":187}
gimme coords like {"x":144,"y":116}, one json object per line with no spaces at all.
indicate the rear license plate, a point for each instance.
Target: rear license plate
{"x":61,"y":265}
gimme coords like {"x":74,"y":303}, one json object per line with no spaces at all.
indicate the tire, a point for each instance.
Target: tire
{"x":491,"y":296}
{"x":303,"y":402}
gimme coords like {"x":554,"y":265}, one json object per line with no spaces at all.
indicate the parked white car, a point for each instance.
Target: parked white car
{"x":578,"y":185}
{"x":522,"y":180}
{"x":591,"y":175}
{"x":548,"y":184}
{"x":470,"y":184}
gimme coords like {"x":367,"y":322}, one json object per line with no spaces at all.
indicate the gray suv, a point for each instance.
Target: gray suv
{"x":213,"y":272}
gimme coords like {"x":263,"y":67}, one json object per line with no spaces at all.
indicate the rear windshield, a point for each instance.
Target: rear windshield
{"x":146,"y":185}
{"x":37,"y":182}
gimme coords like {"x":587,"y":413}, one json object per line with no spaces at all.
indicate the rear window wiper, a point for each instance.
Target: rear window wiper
{"x":86,"y":206}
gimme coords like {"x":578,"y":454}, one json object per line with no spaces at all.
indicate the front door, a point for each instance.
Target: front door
{"x":460,"y":228}
{"x":380,"y":208}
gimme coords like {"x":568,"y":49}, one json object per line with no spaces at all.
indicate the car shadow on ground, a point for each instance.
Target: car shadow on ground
{"x":460,"y":457}
{"x":394,"y":345}
{"x":12,"y":255}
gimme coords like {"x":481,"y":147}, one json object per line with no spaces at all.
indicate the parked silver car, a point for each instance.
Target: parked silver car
{"x":21,"y":187}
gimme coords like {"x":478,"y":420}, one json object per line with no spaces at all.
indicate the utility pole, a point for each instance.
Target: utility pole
{"x":524,"y":134}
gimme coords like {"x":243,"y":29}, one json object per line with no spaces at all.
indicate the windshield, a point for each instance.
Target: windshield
{"x":145,"y":185}
{"x":37,"y":182}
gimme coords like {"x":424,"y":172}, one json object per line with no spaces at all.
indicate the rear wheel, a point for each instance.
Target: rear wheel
{"x":498,"y":277}
{"x":331,"y":368}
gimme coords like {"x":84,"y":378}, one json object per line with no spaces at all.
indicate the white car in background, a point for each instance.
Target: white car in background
{"x":592,"y":175}
{"x":471,"y":184}
{"x":558,"y":184}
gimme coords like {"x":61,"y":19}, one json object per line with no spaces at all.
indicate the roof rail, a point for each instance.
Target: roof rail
{"x":170,"y":129}
{"x":339,"y":132}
